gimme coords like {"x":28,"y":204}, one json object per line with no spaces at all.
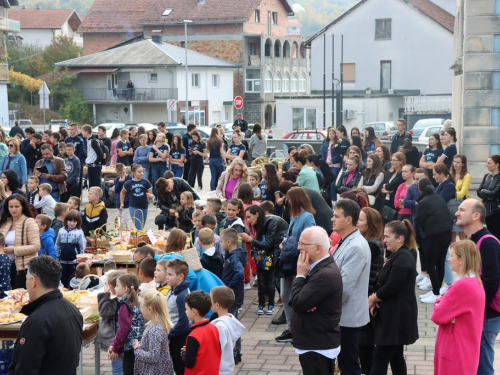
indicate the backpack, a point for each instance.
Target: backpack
{"x":104,"y":150}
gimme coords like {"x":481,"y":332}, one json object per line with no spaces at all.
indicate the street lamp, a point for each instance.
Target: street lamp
{"x":186,"y":49}
{"x":335,"y":83}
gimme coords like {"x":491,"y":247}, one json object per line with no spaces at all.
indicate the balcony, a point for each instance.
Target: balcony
{"x":428,"y":104}
{"x":7,"y":24}
{"x":128,"y":95}
{"x":4,"y":73}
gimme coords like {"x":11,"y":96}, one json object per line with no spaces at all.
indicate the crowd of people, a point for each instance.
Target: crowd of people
{"x":335,"y":235}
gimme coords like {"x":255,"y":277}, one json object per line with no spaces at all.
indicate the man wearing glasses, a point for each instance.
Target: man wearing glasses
{"x":316,"y":301}
{"x":400,"y":136}
{"x":142,"y":253}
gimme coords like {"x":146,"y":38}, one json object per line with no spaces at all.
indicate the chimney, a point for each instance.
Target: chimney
{"x":156,"y":39}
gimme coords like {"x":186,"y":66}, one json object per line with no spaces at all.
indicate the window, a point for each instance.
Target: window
{"x":383,"y":29}
{"x":286,"y":82}
{"x":302,"y":82}
{"x":257,"y":16}
{"x":269,"y":22}
{"x":349,"y":71}
{"x":252,"y":80}
{"x":252,"y":48}
{"x":196,"y":116}
{"x":385,"y":75}
{"x":277,"y":82}
{"x":195,"y":80}
{"x":153,"y":77}
{"x":167,"y":12}
{"x":295,"y":77}
{"x":275,"y":18}
{"x":268,"y":82}
{"x":216,"y":80}
{"x":303,"y":118}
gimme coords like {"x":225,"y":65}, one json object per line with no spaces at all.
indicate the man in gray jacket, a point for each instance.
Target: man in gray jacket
{"x":353,"y":259}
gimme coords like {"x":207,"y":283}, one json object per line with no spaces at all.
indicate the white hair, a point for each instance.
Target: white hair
{"x":320,"y":236}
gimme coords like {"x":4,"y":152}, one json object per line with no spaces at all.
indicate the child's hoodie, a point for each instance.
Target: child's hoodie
{"x":47,"y":245}
{"x":230,"y":330}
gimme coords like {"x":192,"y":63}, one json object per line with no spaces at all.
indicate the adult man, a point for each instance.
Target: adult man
{"x":471,"y":218}
{"x":101,"y":134}
{"x":353,"y":258}
{"x":94,"y":157}
{"x":170,"y":190}
{"x":162,"y":128}
{"x":142,"y":253}
{"x":50,"y":338}
{"x":32,"y":152}
{"x":16,"y":129}
{"x":240,"y":123}
{"x":57,"y":172}
{"x":400,"y":136}
{"x":186,"y":142}
{"x":316,"y":301}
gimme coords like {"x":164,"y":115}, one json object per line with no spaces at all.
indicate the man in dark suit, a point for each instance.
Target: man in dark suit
{"x":241,"y":123}
{"x":16,"y":129}
{"x":400,"y":136}
{"x":316,"y":302}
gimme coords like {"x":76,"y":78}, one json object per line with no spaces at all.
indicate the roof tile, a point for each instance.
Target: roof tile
{"x":43,"y":18}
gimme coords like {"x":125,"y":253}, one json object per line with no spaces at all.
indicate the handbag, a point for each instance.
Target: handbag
{"x":389,"y":214}
{"x":453,"y":205}
{"x":289,"y":250}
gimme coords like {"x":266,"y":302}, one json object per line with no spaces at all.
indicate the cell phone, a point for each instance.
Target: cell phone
{"x":43,"y":169}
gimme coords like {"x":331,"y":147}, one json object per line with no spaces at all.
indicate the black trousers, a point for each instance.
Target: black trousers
{"x":196,"y":171}
{"x":421,"y":250}
{"x":316,"y":364}
{"x":187,"y":166}
{"x":493,"y":224}
{"x":175,"y":346}
{"x":436,"y":247}
{"x":128,"y":362}
{"x":17,"y":279}
{"x":265,"y":279}
{"x":383,"y":355}
{"x":349,"y":356}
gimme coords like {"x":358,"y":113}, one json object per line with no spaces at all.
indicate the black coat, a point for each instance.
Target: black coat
{"x":397,"y":141}
{"x":16,"y":129}
{"x":396,"y":318}
{"x":324,"y":213}
{"x":243,"y":124}
{"x":50,"y":338}
{"x":275,"y":229}
{"x":392,"y":186}
{"x":180,"y":186}
{"x":433,"y":215}
{"x":342,"y":186}
{"x":489,"y":192}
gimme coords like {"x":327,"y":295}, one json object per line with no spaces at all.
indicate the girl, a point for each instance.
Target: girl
{"x":70,"y":241}
{"x":158,"y":157}
{"x":245,"y":195}
{"x":236,"y":149}
{"x":371,"y":141}
{"x":463,"y":180}
{"x":431,"y":155}
{"x":141,"y":155}
{"x":161,"y":276}
{"x":270,"y":184}
{"x":198,"y":151}
{"x":186,"y":215}
{"x":235,"y":215}
{"x":152,"y":354}
{"x":177,"y":241}
{"x":373,"y":178}
{"x":351,"y":178}
{"x":330,"y":152}
{"x":152,"y":137}
{"x":394,"y":178}
{"x":115,"y":138}
{"x":217,"y":159}
{"x":408,"y":174}
{"x":129,"y":322}
{"x":384,"y":155}
{"x":140,"y":191}
{"x":119,"y":182}
{"x":258,"y":141}
{"x":177,"y":156}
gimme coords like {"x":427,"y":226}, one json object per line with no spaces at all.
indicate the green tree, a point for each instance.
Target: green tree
{"x":27,"y":59}
{"x":76,"y":108}
{"x":60,"y":87}
{"x":62,"y":48}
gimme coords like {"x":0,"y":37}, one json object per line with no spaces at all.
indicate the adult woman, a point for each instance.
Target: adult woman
{"x":431,"y":155}
{"x":307,"y":176}
{"x":258,"y":141}
{"x":15,"y":161}
{"x":158,"y":155}
{"x":330,"y":152}
{"x":3,"y":195}
{"x":355,"y":132}
{"x":462,"y":181}
{"x":356,"y":141}
{"x":176,"y":241}
{"x":373,"y":178}
{"x":351,"y":178}
{"x":393,"y":303}
{"x":371,"y":141}
{"x":288,"y":162}
{"x":460,"y":314}
{"x":141,"y":155}
{"x":231,"y":179}
{"x":371,"y":226}
{"x":115,"y":138}
{"x":489,"y":192}
{"x":446,"y":181}
{"x":436,"y":222}
{"x":170,"y":190}
{"x":4,"y":150}
{"x":410,"y":151}
{"x":354,"y":151}
{"x":408,"y":173}
{"x":394,"y":178}
{"x":302,"y":217}
{"x":198,"y":152}
{"x":22,"y":239}
{"x":152,"y":136}
{"x":344,"y":141}
{"x":11,"y":182}
{"x":177,"y":156}
{"x":217,"y":157}
{"x":269,"y":185}
{"x":384,"y":155}
{"x":449,"y":138}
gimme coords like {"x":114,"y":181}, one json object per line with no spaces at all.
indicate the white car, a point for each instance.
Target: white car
{"x":110,"y":127}
{"x":427,"y":132}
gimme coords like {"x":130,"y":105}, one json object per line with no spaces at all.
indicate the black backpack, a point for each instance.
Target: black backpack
{"x":104,"y":150}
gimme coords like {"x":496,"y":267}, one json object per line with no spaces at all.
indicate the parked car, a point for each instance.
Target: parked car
{"x":182,"y":129}
{"x":25,"y":122}
{"x":316,"y":135}
{"x":147,"y":126}
{"x":109,"y":128}
{"x":61,"y":123}
{"x":420,"y":125}
{"x":384,"y":130}
{"x":427,"y":132}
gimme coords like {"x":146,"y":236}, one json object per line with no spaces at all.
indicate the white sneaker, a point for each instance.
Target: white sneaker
{"x":426,"y":287}
{"x":431,"y":299}
{"x":425,"y":281}
{"x":419,"y":278}
{"x":443,"y":289}
{"x":426,"y":295}
{"x":247,"y":286}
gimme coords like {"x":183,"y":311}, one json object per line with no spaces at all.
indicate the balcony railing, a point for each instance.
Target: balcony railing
{"x":7,"y":24}
{"x":428,"y":104}
{"x":132,"y":95}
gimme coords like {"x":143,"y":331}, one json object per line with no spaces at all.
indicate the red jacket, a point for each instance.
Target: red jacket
{"x":203,"y":350}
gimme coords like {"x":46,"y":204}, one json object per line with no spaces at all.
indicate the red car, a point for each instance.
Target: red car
{"x":316,"y":135}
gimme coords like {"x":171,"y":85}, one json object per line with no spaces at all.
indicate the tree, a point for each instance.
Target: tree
{"x":23,"y":81}
{"x":60,"y":87}
{"x":26,"y":59}
{"x":62,"y":48}
{"x":76,"y":108}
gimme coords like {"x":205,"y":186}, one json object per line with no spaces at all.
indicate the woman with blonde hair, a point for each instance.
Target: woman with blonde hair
{"x":460,"y":314}
{"x":15,"y":160}
{"x":394,"y":178}
{"x":231,"y":179}
{"x":463,"y":180}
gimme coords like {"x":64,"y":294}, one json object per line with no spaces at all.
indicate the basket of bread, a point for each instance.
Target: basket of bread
{"x":120,"y":256}
{"x":11,"y":318}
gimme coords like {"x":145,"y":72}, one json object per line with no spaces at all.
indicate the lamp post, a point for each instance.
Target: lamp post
{"x":335,"y":84}
{"x":186,"y":113}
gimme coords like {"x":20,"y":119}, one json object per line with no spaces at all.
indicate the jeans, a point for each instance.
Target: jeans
{"x":265,"y":280}
{"x":491,"y":328}
{"x":94,"y":174}
{"x":56,"y":195}
{"x":348,"y":357}
{"x":234,"y":310}
{"x":138,"y":218}
{"x":117,"y":366}
{"x":146,"y":173}
{"x":435,"y":257}
{"x":448,"y":273}
{"x":216,"y":169}
{"x":333,"y":189}
{"x":196,"y":172}
{"x":286,"y":290}
{"x":157,"y":171}
{"x":383,"y":355}
{"x":177,"y":170}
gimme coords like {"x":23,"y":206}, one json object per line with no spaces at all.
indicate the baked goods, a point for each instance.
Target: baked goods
{"x":11,"y":318}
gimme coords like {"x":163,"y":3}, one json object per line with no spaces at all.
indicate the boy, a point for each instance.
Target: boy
{"x":123,"y":148}
{"x":54,"y":142}
{"x":81,"y":271}
{"x":196,"y":220}
{"x":60,"y":210}
{"x":61,"y":148}
{"x":213,"y":207}
{"x":95,"y":214}
{"x":147,"y":274}
{"x":267,"y":207}
{"x":202,"y":353}
{"x":230,"y":329}
{"x":73,"y":167}
{"x":46,"y":137}
{"x":233,"y":276}
{"x":210,"y":222}
{"x":46,"y":203}
{"x":47,"y":242}
{"x":4,"y":269}
{"x":255,"y":182}
{"x":95,"y":157}
{"x":177,"y":272}
{"x":32,"y":193}
{"x":109,"y":267}
{"x":74,"y":203}
{"x":211,"y":259}
{"x":168,"y":174}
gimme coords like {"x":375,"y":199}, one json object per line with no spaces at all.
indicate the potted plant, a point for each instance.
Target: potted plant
{"x":368,"y":90}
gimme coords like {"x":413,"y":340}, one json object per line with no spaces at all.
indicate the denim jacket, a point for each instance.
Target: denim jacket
{"x":17,"y":164}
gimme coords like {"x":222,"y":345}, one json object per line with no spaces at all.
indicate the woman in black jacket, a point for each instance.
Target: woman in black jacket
{"x":374,"y":177}
{"x":393,"y":303}
{"x":351,"y":178}
{"x":394,"y":178}
{"x":489,"y":192}
{"x":434,"y":218}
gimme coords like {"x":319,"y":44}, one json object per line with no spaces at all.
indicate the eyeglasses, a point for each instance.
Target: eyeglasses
{"x":11,"y":145}
{"x":138,"y":263}
{"x":305,"y":244}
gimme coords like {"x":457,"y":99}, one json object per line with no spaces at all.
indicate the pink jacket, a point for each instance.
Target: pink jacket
{"x":401,"y":194}
{"x":457,"y":345}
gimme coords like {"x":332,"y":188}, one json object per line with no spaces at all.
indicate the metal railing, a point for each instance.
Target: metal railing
{"x":428,"y":104}
{"x":134,"y":95}
{"x":7,"y":24}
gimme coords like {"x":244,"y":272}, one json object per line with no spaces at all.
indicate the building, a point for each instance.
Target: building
{"x":397,"y":56}
{"x":157,"y":72}
{"x":294,"y":27}
{"x":40,"y":26}
{"x":7,"y":26}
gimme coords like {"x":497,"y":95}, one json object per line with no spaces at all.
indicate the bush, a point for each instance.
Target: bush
{"x":76,"y":108}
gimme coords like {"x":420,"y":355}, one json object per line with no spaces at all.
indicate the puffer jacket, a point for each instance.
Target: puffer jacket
{"x":275,"y":229}
{"x":489,"y":192}
{"x":342,"y":186}
{"x":135,"y":331}
{"x":433,"y":215}
{"x":25,"y":248}
{"x":377,"y":251}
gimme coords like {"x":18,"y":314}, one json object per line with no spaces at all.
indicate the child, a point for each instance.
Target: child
{"x":61,"y":148}
{"x":213,"y":207}
{"x":168,"y":174}
{"x":211,"y":259}
{"x":4,"y":269}
{"x":54,"y":142}
{"x":74,"y":203}
{"x":46,"y":203}
{"x":177,"y":272}
{"x":47,"y":246}
{"x":185,"y":217}
{"x":267,"y":207}
{"x":233,"y":276}
{"x":60,"y":210}
{"x":123,"y":148}
{"x":269,"y":185}
{"x":130,"y":323}
{"x":95,"y":213}
{"x":202,"y":353}
{"x":140,"y":191}
{"x":32,"y":193}
{"x":255,"y":183}
{"x":177,"y":156}
{"x":151,"y":353}
{"x":230,"y":329}
{"x":147,"y":274}
{"x":69,"y":242}
{"x":161,"y":276}
{"x":210,"y":222}
{"x":73,"y":167}
{"x":81,"y":271}
{"x":193,"y":234}
{"x":109,"y":268}
{"x":234,"y":219}
{"x":119,"y":182}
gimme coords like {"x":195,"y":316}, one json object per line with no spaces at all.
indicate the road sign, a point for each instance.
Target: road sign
{"x":238,"y":102}
{"x":44,"y":93}
{"x":171,"y":104}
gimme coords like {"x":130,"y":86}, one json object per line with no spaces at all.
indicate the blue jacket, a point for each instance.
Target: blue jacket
{"x":17,"y":164}
{"x":335,"y":152}
{"x":301,"y":222}
{"x":233,"y":274}
{"x":447,"y":190}
{"x":186,"y":142}
{"x":177,"y":309}
{"x":409,"y":202}
{"x":79,"y":147}
{"x":47,"y":242}
{"x":141,"y":156}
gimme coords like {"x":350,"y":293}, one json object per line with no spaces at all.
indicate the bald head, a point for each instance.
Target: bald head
{"x":471,"y":214}
{"x":314,"y":241}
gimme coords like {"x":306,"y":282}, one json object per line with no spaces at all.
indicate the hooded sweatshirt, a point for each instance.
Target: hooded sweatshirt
{"x":230,"y":330}
{"x":95,"y":216}
{"x":177,"y":309}
{"x":233,"y":275}
{"x":213,"y":261}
